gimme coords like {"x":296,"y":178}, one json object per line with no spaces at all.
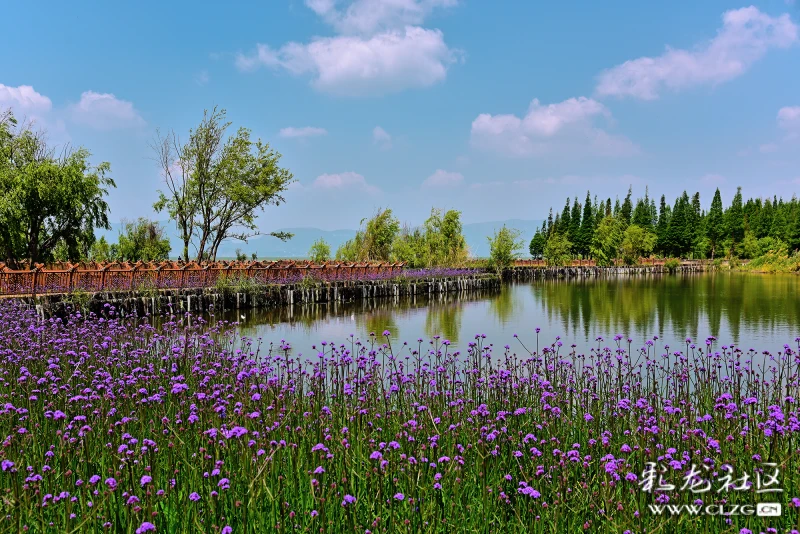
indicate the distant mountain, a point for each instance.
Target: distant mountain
{"x":476,"y":235}
{"x":296,"y":247}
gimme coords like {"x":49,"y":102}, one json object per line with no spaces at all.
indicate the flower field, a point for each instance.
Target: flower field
{"x":122,"y":426}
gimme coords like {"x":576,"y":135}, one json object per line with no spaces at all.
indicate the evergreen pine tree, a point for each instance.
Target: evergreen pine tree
{"x":794,"y":230}
{"x":627,"y":209}
{"x":565,"y":220}
{"x":662,"y":226}
{"x":694,"y":230}
{"x":778,"y":227}
{"x":677,"y":227}
{"x":587,"y":226}
{"x":735,"y":220}
{"x":575,"y":226}
{"x":765,"y":220}
{"x":715,"y":225}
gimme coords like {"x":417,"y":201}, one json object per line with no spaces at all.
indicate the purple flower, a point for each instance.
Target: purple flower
{"x":146,"y":527}
{"x":146,"y":479}
{"x":7,"y":464}
{"x":194,"y":496}
{"x":226,"y":530}
{"x":111,"y":483}
{"x":399,"y":496}
{"x":348,"y":499}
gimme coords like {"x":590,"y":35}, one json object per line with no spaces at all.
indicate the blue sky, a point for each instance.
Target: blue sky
{"x":499,"y":109}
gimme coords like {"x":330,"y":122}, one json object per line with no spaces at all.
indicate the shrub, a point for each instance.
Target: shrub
{"x":672,"y":264}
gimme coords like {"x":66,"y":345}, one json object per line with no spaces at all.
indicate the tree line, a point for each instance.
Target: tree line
{"x":439,"y":242}
{"x":52,"y":202}
{"x":629,"y":230}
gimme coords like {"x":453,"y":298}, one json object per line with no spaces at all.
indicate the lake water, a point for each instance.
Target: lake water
{"x":748,"y":310}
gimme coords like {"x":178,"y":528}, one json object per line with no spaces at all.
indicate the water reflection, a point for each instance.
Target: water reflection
{"x":729,"y":305}
{"x":748,"y":310}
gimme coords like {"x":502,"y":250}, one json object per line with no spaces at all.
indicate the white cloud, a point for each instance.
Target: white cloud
{"x":381,"y":137}
{"x":355,"y":66}
{"x":544,"y":129}
{"x":24,"y":100}
{"x":366,"y":17}
{"x":104,"y":111}
{"x":306,"y":131}
{"x":345,"y":180}
{"x":789,"y":118}
{"x":744,"y":38}
{"x":379,"y":48}
{"x":442,"y":178}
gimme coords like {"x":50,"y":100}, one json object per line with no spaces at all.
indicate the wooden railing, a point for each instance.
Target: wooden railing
{"x":93,"y":277}
{"x":591,"y":263}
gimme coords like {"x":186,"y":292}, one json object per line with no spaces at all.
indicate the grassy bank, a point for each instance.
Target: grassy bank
{"x":774,"y":262}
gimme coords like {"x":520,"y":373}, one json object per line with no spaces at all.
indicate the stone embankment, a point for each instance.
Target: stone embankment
{"x":204,"y":300}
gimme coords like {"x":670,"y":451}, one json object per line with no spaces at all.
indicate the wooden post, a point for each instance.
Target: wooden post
{"x":33,"y":283}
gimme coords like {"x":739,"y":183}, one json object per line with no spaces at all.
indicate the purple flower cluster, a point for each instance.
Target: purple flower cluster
{"x":116,"y":422}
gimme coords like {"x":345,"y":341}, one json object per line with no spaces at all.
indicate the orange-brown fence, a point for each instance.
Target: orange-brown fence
{"x":65,"y":278}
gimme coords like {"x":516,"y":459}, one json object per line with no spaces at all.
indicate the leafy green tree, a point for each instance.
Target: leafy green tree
{"x":103,"y":251}
{"x":444,"y":239}
{"x":750,"y":247}
{"x":320,"y":251}
{"x":557,"y":250}
{"x":504,"y":248}
{"x":374,"y":242}
{"x":47,"y":200}
{"x":217,"y":184}
{"x":637,"y":242}
{"x":409,"y":247}
{"x":351,"y":249}
{"x":607,"y":240}
{"x":536,"y":247}
{"x":143,"y":240}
